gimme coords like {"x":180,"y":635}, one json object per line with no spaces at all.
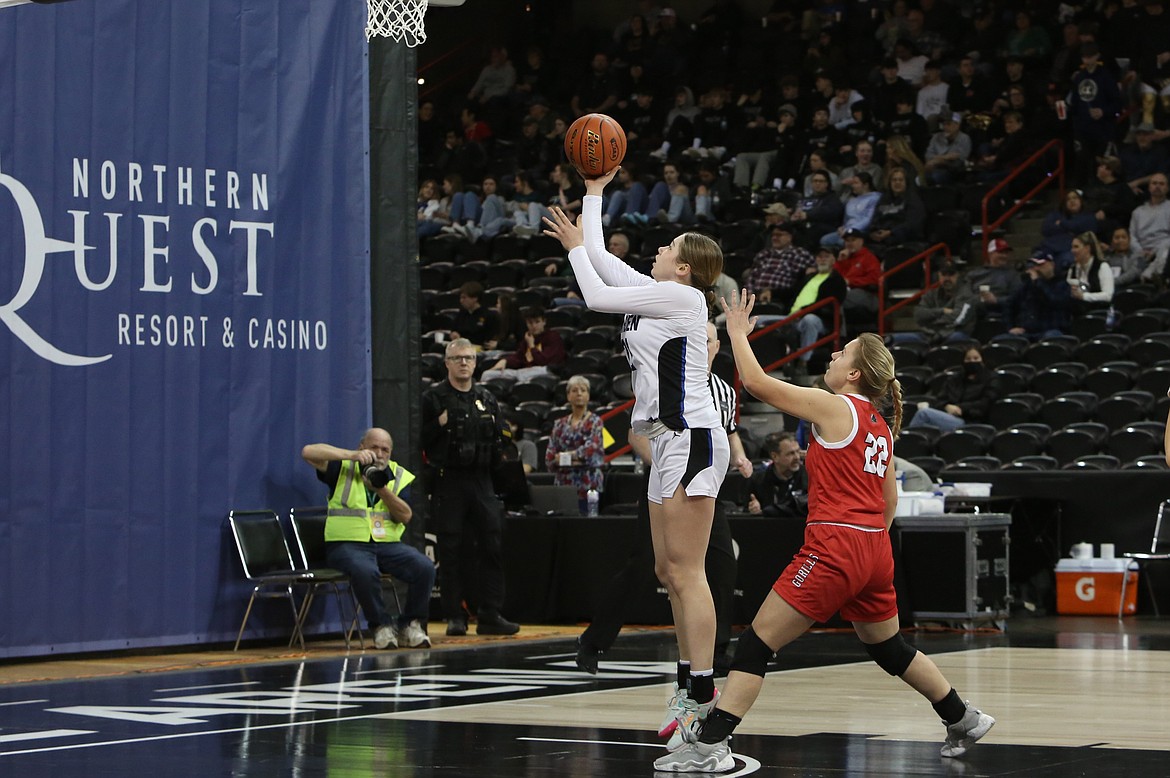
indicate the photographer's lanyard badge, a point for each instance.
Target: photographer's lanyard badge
{"x":377,"y":523}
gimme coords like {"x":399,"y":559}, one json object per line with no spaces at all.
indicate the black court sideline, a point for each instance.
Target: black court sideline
{"x":517,"y":708}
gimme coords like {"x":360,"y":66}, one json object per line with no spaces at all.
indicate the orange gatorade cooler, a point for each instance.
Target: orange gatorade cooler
{"x":1092,"y":587}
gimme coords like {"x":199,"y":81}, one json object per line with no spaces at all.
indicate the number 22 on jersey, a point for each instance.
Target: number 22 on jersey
{"x":877,"y":454}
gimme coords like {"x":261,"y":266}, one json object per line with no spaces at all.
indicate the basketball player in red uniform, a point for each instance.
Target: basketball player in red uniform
{"x":846,"y":563}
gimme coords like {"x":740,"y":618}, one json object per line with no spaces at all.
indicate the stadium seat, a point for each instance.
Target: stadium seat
{"x":1129,"y":443}
{"x":1008,"y":411}
{"x":1131,"y":299}
{"x":1015,"y":443}
{"x":932,"y":465}
{"x":981,"y":463}
{"x":1047,"y":352}
{"x":1002,"y":351}
{"x":1014,"y":377}
{"x":1058,"y":378}
{"x":1067,"y":445}
{"x":1124,"y":408}
{"x":1154,"y":379}
{"x":915,"y":378}
{"x":1111,"y":378}
{"x":1089,"y":325}
{"x":1148,"y":462}
{"x":943,"y":356}
{"x":1033,"y":462}
{"x":915,"y":442}
{"x":1151,"y":349}
{"x":1141,"y":323}
{"x":1098,"y":351}
{"x":908,"y":354}
{"x":960,"y":444}
{"x":1095,"y":462}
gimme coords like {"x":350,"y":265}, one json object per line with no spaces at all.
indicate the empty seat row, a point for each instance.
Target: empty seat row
{"x":936,"y":467}
{"x":1065,"y":445}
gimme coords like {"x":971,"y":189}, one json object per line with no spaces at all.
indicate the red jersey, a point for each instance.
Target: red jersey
{"x":845,"y":479}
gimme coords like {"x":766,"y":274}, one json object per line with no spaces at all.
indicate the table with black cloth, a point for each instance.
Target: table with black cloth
{"x":554,"y":566}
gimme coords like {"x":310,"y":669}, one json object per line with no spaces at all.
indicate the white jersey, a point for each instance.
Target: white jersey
{"x":664,"y":333}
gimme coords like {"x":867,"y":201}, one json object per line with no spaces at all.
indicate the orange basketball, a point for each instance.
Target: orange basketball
{"x":595,"y":144}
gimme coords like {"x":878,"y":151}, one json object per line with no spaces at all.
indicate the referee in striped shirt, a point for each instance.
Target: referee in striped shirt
{"x":639,"y":568}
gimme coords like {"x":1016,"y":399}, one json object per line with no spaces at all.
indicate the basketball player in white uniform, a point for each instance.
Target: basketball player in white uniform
{"x":664,"y":336}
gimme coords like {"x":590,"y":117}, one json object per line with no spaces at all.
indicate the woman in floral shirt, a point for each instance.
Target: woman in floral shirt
{"x":577,"y":435}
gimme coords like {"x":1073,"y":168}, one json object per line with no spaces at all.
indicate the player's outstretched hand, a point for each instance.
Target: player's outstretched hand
{"x":596,"y":186}
{"x":738,"y":310}
{"x":561,"y":227}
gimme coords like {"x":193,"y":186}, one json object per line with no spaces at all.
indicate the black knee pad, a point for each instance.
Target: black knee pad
{"x":893,"y":655}
{"x":751,"y":654}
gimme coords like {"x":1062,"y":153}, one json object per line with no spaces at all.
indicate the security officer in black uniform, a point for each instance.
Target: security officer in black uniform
{"x":462,"y":435}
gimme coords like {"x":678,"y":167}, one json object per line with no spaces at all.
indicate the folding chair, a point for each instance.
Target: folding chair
{"x":309,"y":530}
{"x":1159,"y":552}
{"x":309,"y":526}
{"x":268,"y":564}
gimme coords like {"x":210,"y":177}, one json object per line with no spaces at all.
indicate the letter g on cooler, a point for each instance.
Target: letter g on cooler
{"x":1086,"y":589}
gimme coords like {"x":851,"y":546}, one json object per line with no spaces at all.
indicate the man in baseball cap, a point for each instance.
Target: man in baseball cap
{"x":1041,"y":306}
{"x":995,"y":282}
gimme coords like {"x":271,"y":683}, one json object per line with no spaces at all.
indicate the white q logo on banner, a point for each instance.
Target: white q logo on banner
{"x":36,"y":247}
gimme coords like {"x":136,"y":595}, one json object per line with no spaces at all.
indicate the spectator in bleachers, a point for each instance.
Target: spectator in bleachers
{"x":818,"y":162}
{"x":475,"y":129}
{"x":1126,"y":261}
{"x":642,"y":120}
{"x":841,"y":106}
{"x":457,"y":157}
{"x":712,"y":191}
{"x":493,"y":218}
{"x":908,"y":123}
{"x":539,"y":350}
{"x":1040,"y":307}
{"x":428,"y":207}
{"x":948,"y":152}
{"x":824,"y":56}
{"x":597,"y":92}
{"x":1108,"y":197}
{"x":1143,"y":157}
{"x":777,"y":271}
{"x":1094,"y":102}
{"x":493,"y":89}
{"x":1014,"y":75}
{"x":859,"y":210}
{"x":931,"y":101}
{"x":1063,"y":224}
{"x":890,"y":88}
{"x":1090,"y":276}
{"x":911,"y":62}
{"x":818,"y":213}
{"x":820,"y":136}
{"x":894,"y":26}
{"x":947,"y":312}
{"x":679,"y":128}
{"x":900,"y":155}
{"x":863,"y":129}
{"x":532,"y":148}
{"x":430,"y":137}
{"x":1005,"y":153}
{"x":996,"y":280}
{"x":632,"y":43}
{"x":821,"y":283}
{"x":861,"y":271}
{"x":630,"y":198}
{"x":781,"y":489}
{"x":900,"y":216}
{"x":535,"y":78}
{"x":575,"y":450}
{"x":760,"y":142}
{"x":965,"y":397}
{"x":791,"y":93}
{"x":670,"y":200}
{"x":668,"y":55}
{"x":510,"y":328}
{"x":969,"y":92}
{"x":931,"y":42}
{"x":474,"y":321}
{"x":1149,"y":227}
{"x":1028,"y":41}
{"x":570,"y":193}
{"x":713,"y":126}
{"x":864,"y":164}
{"x":520,"y":449}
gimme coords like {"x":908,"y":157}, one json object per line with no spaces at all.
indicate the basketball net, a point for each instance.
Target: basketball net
{"x":401,"y":20}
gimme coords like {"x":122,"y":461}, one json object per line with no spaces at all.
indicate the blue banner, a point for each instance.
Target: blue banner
{"x":184,"y":302}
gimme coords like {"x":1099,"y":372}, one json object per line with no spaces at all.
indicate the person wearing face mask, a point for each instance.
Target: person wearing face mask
{"x":965,"y":397}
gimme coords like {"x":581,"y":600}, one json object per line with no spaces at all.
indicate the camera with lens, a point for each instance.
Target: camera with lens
{"x":376,"y":475}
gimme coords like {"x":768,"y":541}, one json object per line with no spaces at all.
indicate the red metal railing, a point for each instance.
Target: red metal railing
{"x":1056,"y":174}
{"x":833,"y":336}
{"x":923,"y":257}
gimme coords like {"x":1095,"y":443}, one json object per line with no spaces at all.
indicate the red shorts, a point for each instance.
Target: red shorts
{"x":841,"y":569}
